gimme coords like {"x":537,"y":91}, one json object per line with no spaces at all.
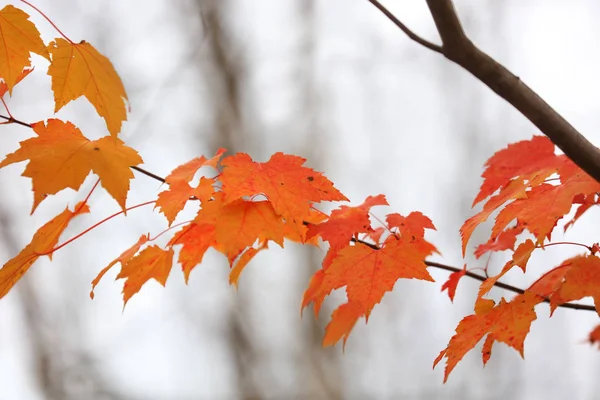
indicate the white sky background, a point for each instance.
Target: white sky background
{"x":396,"y":119}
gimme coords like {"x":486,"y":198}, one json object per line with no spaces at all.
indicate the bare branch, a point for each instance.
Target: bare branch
{"x":457,"y":47}
{"x":404,"y":28}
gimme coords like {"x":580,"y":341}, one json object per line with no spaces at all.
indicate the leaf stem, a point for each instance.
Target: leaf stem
{"x":47,"y":19}
{"x":60,"y":246}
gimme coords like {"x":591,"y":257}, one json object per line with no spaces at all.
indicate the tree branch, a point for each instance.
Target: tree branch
{"x":457,"y":47}
{"x":404,"y":28}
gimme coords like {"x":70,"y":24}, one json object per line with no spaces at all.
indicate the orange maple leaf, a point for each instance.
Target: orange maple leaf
{"x":555,"y":201}
{"x":20,"y":77}
{"x":507,"y":322}
{"x":524,"y":158}
{"x":520,"y":258}
{"x":290,"y":187}
{"x":504,"y":241}
{"x":452,"y":282}
{"x":549,"y":282}
{"x":581,"y":280}
{"x":594,"y":336}
{"x":242,"y":262}
{"x":152,"y":262}
{"x":42,"y":243}
{"x":61,"y":157}
{"x":196,"y":239}
{"x":171,"y":201}
{"x":343,"y":224}
{"x":241,"y":223}
{"x":366,"y":273}
{"x":78,"y":69}
{"x":18,"y":38}
{"x":123,"y":259}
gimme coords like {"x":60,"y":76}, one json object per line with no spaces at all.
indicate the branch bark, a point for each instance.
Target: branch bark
{"x":457,"y":47}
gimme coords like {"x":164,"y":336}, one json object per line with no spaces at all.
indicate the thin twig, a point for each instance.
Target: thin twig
{"x":405,"y":29}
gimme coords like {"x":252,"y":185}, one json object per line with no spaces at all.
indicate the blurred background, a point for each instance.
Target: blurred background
{"x":335,"y":82}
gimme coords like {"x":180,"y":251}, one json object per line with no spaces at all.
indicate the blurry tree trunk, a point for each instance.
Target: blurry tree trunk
{"x":225,"y":77}
{"x":321,"y":365}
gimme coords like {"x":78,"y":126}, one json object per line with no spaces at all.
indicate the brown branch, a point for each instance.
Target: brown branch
{"x":405,"y":29}
{"x":432,"y":264}
{"x":480,"y":278}
{"x":457,"y":47}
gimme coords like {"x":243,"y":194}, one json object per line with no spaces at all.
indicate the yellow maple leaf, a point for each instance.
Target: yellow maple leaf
{"x":78,"y":69}
{"x":18,"y":38}
{"x":42,"y":243}
{"x":61,"y":157}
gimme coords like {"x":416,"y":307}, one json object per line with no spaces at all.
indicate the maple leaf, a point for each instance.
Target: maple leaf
{"x":18,"y":38}
{"x":78,"y":69}
{"x":61,"y":157}
{"x":514,"y":190}
{"x":20,"y":77}
{"x":520,"y":258}
{"x":343,"y":320}
{"x":504,"y":241}
{"x":507,"y":322}
{"x":152,"y":262}
{"x":581,"y":280}
{"x":42,"y":243}
{"x":555,"y":201}
{"x":289,"y":186}
{"x":196,"y":239}
{"x":243,"y":261}
{"x":594,"y":336}
{"x":171,"y":201}
{"x":344,"y":224}
{"x":366,"y":273}
{"x":241,"y":223}
{"x":123,"y":259}
{"x":549,"y":282}
{"x":524,"y":158}
{"x":452,"y":282}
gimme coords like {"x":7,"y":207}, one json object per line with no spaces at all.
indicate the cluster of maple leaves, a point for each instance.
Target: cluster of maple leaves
{"x":244,"y":205}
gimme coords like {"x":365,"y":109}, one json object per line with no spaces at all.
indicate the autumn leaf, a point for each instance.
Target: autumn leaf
{"x":18,"y":38}
{"x":289,"y":186}
{"x":521,"y":159}
{"x":343,"y":320}
{"x":123,"y":259}
{"x":594,"y":336}
{"x":452,"y":282}
{"x":366,"y":273}
{"x":61,"y":157}
{"x":152,"y":262}
{"x":42,"y":243}
{"x":514,"y":190}
{"x":581,"y":280}
{"x":504,"y":241}
{"x":171,"y":201}
{"x":241,"y":223}
{"x":520,"y":258}
{"x":549,"y":282}
{"x":195,"y":239}
{"x":242,"y":262}
{"x":343,"y":224}
{"x":20,"y":77}
{"x":544,"y":205}
{"x":78,"y":69}
{"x":507,"y":322}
